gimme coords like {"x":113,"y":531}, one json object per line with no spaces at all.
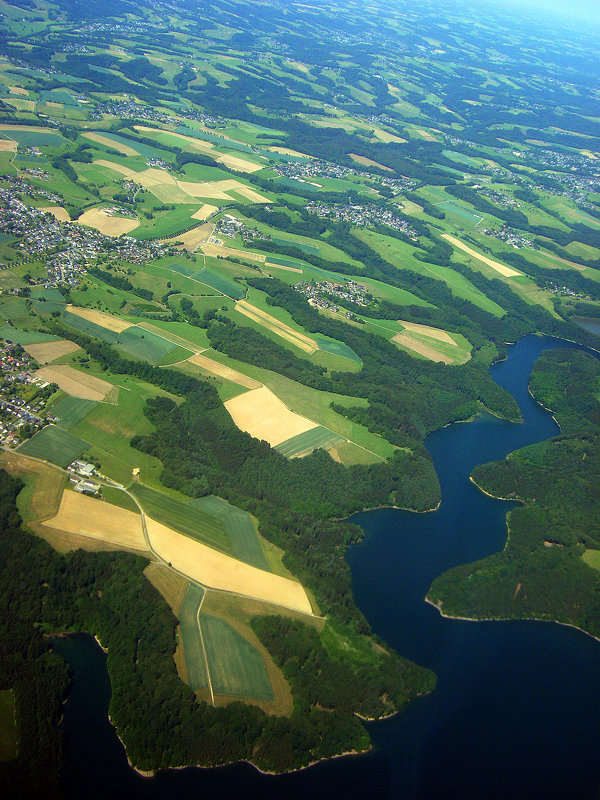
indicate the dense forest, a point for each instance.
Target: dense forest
{"x":543,"y":572}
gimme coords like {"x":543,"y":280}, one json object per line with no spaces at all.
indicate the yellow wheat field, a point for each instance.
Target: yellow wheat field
{"x":122,"y":148}
{"x":100,"y":318}
{"x":8,"y":146}
{"x":406,"y":340}
{"x":45,"y":352}
{"x":204,"y":212}
{"x":219,"y":571}
{"x":75,"y":383}
{"x":58,"y":212}
{"x":367,"y":162}
{"x":214,"y":368}
{"x":506,"y":271}
{"x":106,"y":223}
{"x":192,"y":239}
{"x":86,"y":516}
{"x":427,"y":330}
{"x":280,"y":328}
{"x":262,"y":414}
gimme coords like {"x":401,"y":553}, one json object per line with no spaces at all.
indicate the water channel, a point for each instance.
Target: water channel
{"x":516,"y":712}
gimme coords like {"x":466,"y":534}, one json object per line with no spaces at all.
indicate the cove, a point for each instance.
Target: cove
{"x":517,"y":708}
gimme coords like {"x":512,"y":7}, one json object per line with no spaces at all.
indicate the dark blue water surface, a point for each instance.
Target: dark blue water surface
{"x":516,"y":712}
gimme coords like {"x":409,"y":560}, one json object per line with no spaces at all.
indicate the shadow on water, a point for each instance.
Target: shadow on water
{"x":517,"y":706}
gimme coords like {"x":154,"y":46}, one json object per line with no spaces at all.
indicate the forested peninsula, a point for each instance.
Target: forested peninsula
{"x":549,"y":568}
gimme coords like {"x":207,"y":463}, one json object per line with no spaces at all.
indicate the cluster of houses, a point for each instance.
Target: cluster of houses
{"x":510,"y":236}
{"x":303,"y":171}
{"x":362,"y":216}
{"x":320,"y":294}
{"x":16,"y":378}
{"x":67,"y":247}
{"x":231,"y":227}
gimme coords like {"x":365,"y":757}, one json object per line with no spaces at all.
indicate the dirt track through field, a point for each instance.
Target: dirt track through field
{"x":219,"y":571}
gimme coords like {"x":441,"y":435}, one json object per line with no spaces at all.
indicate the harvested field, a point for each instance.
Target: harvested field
{"x":122,"y":148}
{"x":296,"y":338}
{"x":219,"y":250}
{"x":239,"y":164}
{"x":214,"y":368}
{"x":171,"y":585}
{"x":8,"y":146}
{"x":58,"y":212}
{"x":45,"y":352}
{"x":100,"y":318}
{"x":166,"y":187}
{"x":262,"y":414}
{"x":508,"y":272}
{"x":86,"y":516}
{"x":426,"y":135}
{"x":192,"y":239}
{"x":427,"y":330}
{"x":77,"y":384}
{"x":367,"y":162}
{"x":106,"y":223}
{"x":406,"y":340}
{"x":54,"y":445}
{"x":219,"y":571}
{"x":204,"y":212}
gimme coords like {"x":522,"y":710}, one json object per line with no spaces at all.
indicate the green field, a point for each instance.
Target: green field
{"x":195,"y":662}
{"x":305,"y":443}
{"x":59,"y":96}
{"x":236,"y":667}
{"x":184,"y":517}
{"x":306,"y":248}
{"x":9,"y":735}
{"x":71,"y":410}
{"x":221,"y":284}
{"x":592,"y":558}
{"x":34,"y":138}
{"x":463,"y":213}
{"x":144,"y":344}
{"x":337,"y":348}
{"x":15,"y":310}
{"x":239,"y":527}
{"x":55,"y":445}
{"x":89,"y":328}
{"x":17,"y":336}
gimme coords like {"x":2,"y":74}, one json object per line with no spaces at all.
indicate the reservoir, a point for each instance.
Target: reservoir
{"x":516,"y":712}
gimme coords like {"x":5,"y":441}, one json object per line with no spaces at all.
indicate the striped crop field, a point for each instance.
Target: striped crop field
{"x":305,"y":443}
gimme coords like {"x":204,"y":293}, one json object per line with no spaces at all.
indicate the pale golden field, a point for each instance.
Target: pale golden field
{"x":122,"y":148}
{"x":239,"y":164}
{"x":426,"y":135}
{"x":192,"y":239}
{"x":214,"y":368}
{"x":427,"y":330}
{"x":280,"y":328}
{"x":367,"y":162}
{"x":262,"y":414}
{"x":18,"y":90}
{"x":162,"y":184}
{"x":421,"y":348}
{"x":8,"y":146}
{"x":36,"y":128}
{"x":86,"y":516}
{"x":508,"y":272}
{"x":106,"y":223}
{"x":75,"y":383}
{"x":58,"y":212}
{"x":100,"y":318}
{"x":220,"y":250}
{"x":204,"y":212}
{"x":219,"y":571}
{"x":45,"y":352}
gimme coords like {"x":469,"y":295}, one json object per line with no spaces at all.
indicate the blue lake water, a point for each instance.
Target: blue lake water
{"x":516,"y":712}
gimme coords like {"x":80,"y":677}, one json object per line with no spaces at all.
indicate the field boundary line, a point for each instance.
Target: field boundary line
{"x":210,"y":686}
